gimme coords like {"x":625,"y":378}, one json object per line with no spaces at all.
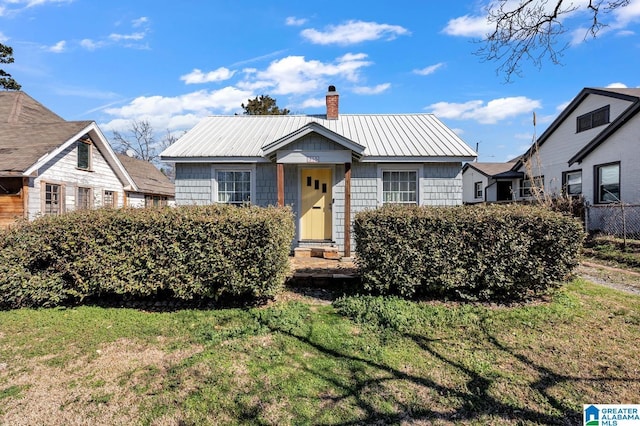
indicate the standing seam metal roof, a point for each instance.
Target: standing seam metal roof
{"x":383,"y":135}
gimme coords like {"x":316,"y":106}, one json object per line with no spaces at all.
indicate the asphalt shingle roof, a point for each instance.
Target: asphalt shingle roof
{"x":146,"y":176}
{"x":28,"y":130}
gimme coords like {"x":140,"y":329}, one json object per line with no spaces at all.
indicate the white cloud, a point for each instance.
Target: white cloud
{"x":127,"y":37}
{"x":3,"y":38}
{"x":296,"y":75}
{"x":89,"y":44}
{"x":178,"y":112}
{"x":486,"y":113}
{"x":468,"y":26}
{"x":59,"y":47}
{"x":136,"y":23}
{"x":429,"y":70}
{"x":12,"y":7}
{"x":616,"y":86}
{"x":363,"y":90}
{"x":313,"y":103}
{"x":295,"y":22}
{"x":197,"y":76}
{"x":353,"y":32}
{"x":626,"y":15}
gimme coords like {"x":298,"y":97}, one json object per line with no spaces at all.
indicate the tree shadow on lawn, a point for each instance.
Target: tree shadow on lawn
{"x":476,"y":398}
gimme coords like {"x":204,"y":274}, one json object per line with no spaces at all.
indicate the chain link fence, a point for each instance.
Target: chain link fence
{"x":620,"y":220}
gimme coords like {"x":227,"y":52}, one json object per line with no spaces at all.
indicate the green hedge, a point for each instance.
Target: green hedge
{"x":484,"y":253}
{"x":186,"y":252}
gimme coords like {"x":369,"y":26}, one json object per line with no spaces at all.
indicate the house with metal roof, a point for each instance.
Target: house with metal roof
{"x":326,"y":167}
{"x":49,"y":165}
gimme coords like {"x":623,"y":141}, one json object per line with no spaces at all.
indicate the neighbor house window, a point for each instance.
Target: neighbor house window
{"x":400,"y":187}
{"x":109,"y":199}
{"x":83,"y":200}
{"x":52,"y":199}
{"x":572,"y":183}
{"x":155,"y":201}
{"x":84,"y":155}
{"x":593,"y":119}
{"x":477,"y":189}
{"x":607,"y":183}
{"x":234,"y":187}
{"x":530,"y":186}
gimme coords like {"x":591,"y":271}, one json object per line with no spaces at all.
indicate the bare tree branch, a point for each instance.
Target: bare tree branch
{"x":141,"y":145}
{"x":529,"y":30}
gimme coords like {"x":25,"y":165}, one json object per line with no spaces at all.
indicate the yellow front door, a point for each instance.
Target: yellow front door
{"x":315,"y":221}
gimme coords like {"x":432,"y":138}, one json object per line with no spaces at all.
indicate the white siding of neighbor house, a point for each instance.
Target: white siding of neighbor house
{"x":135,"y":200}
{"x":62,"y":170}
{"x":623,"y":147}
{"x":552,"y":158}
{"x":469,"y":178}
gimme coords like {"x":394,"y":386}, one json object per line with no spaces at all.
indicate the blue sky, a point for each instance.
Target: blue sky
{"x":172,"y":63}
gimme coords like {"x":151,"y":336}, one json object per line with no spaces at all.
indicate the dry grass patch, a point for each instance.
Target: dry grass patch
{"x":103,"y":388}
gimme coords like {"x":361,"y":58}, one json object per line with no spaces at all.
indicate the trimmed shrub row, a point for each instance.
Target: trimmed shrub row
{"x":186,"y":252}
{"x":484,"y":253}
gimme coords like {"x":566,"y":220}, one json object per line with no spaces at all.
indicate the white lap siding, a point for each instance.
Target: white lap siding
{"x":62,"y":170}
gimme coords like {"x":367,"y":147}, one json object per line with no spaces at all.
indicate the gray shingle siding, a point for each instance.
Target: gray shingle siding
{"x":194,"y":184}
{"x":442,"y":184}
{"x":266,"y":185}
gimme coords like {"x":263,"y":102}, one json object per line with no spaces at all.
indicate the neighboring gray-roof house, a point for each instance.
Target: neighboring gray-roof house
{"x":152,"y":187}
{"x":488,"y":181}
{"x":49,"y":165}
{"x":327,"y":167}
{"x":591,"y":150}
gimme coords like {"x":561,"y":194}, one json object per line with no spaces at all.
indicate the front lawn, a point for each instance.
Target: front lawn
{"x":299,"y":361}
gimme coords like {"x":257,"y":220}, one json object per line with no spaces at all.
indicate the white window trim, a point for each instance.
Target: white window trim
{"x":475,"y":190}
{"x":418,"y":168}
{"x":251,"y":168}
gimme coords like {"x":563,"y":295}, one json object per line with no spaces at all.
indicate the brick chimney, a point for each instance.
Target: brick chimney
{"x":332,"y":103}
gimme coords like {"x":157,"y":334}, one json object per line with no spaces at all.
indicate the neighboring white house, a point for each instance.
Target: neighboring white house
{"x":592,"y":149}
{"x":152,"y":187}
{"x":50,"y":166}
{"x":327,"y":167}
{"x":488,"y":181}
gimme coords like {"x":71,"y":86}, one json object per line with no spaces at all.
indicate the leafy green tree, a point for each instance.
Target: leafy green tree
{"x":263,"y":105}
{"x":6,"y":57}
{"x":528,"y":30}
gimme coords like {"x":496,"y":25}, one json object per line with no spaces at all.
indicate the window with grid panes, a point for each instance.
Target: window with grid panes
{"x":234,"y":187}
{"x":400,"y":187}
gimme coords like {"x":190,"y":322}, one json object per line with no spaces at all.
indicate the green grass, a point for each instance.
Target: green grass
{"x":363,"y":360}
{"x":615,"y":251}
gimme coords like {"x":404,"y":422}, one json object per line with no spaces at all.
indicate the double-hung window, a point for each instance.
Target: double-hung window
{"x":607,"y":183}
{"x":400,"y":187}
{"x":477,"y":189}
{"x":84,"y":155}
{"x":530,"y":186}
{"x":572,"y":183}
{"x":234,"y":186}
{"x":83,"y":200}
{"x":109,"y":199}
{"x":52,"y":199}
